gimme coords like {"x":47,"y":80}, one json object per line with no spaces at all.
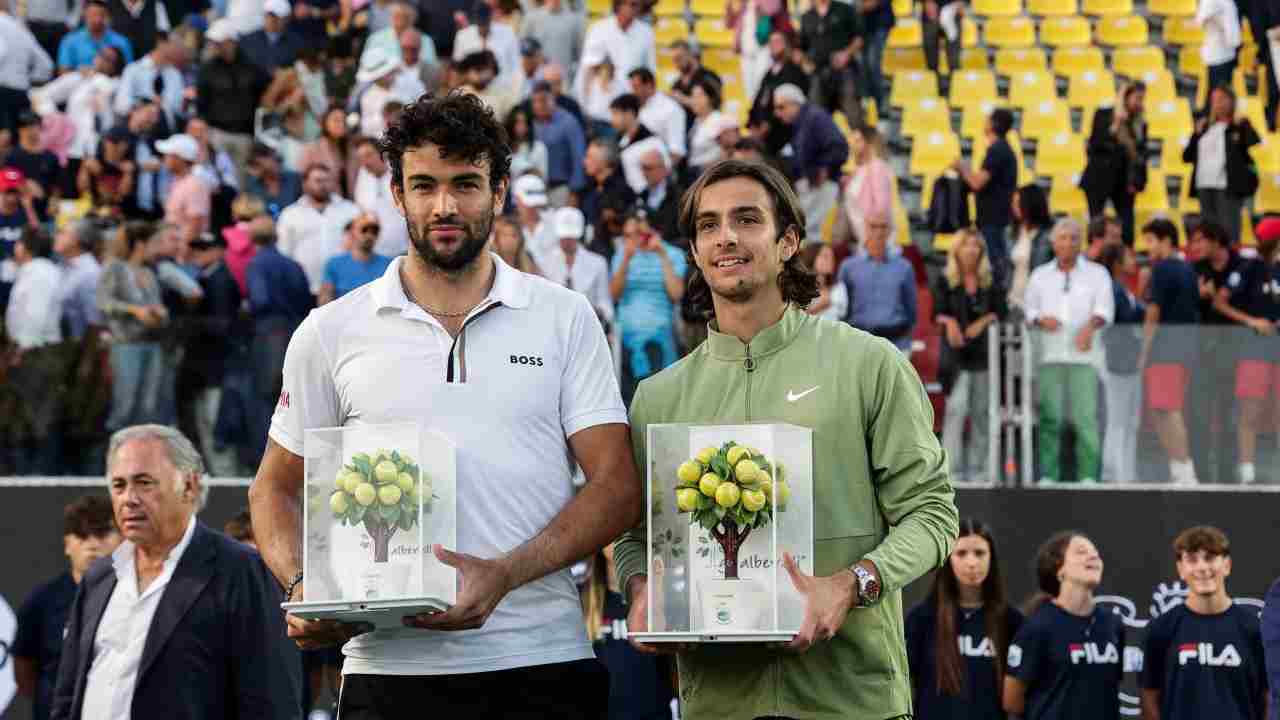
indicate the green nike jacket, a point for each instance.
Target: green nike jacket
{"x":881,"y":492}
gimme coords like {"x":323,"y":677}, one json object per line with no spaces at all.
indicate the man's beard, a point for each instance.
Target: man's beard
{"x":475,"y":236}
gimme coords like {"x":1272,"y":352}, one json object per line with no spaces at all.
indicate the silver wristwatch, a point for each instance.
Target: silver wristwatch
{"x":868,"y":586}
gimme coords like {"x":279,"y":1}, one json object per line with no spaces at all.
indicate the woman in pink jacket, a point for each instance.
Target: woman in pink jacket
{"x":870,"y":187}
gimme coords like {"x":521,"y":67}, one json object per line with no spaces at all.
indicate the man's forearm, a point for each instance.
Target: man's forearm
{"x":275,"y":506}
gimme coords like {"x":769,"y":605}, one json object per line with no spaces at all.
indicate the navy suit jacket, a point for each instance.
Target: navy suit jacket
{"x":1271,"y":645}
{"x":216,"y":648}
{"x":257,"y":47}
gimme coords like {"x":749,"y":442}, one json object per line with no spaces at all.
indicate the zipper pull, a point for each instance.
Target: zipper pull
{"x":749,"y":363}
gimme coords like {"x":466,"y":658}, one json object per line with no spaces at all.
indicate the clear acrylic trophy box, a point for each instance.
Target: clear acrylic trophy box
{"x":724,"y":503}
{"x":378,"y":497}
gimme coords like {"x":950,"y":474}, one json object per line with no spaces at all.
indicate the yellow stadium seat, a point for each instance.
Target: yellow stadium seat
{"x":1155,"y":196}
{"x":666,"y":61}
{"x":968,"y":35}
{"x":1008,"y":32}
{"x":1253,"y":110}
{"x":913,"y":85}
{"x":1015,"y":60}
{"x":721,"y":61}
{"x":1160,"y":86}
{"x":1171,"y":155}
{"x":1247,"y":238}
{"x":972,"y":87}
{"x":1189,"y":60}
{"x":599,"y":7}
{"x":1073,"y":60}
{"x":1066,"y":31}
{"x":668,"y":30}
{"x":902,"y":8}
{"x":1061,"y":154}
{"x":1122,"y":31}
{"x":1065,"y":196}
{"x":1107,"y":8}
{"x":1169,"y":8}
{"x":899,"y":60}
{"x":1249,"y":57}
{"x":869,"y":112}
{"x":672,"y":8}
{"x":1169,"y":119}
{"x":1049,"y":8}
{"x":933,"y":152}
{"x":973,"y":120}
{"x":1091,"y":89}
{"x":974,"y":58}
{"x":906,"y":32}
{"x":997,"y":8}
{"x":1267,"y":153}
{"x":712,"y":33}
{"x":1134,"y":61}
{"x":1045,"y":119}
{"x":942,"y":242}
{"x":1182,"y":31}
{"x":1031,"y":87}
{"x":1267,"y":200}
{"x":707,"y":8}
{"x":924,"y":116}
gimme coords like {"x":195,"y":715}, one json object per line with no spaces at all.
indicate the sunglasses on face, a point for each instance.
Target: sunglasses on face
{"x":369,"y":230}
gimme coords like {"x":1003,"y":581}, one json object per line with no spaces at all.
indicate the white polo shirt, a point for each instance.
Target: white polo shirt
{"x":1073,"y":299}
{"x":529,"y":369}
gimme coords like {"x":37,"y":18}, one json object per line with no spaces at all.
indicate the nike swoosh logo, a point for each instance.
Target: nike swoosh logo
{"x":794,"y":396}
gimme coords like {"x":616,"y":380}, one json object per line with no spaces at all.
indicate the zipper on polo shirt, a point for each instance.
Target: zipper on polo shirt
{"x":461,"y":363}
{"x":750,"y":364}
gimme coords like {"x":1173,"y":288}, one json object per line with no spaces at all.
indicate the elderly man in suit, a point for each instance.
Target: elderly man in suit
{"x":180,"y":622}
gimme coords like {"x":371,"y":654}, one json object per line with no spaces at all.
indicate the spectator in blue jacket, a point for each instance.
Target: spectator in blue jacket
{"x":881,"y":286}
{"x":818,"y":151}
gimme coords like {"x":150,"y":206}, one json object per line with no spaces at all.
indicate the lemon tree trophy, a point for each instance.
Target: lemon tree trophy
{"x":377,"y":498}
{"x":725,"y":501}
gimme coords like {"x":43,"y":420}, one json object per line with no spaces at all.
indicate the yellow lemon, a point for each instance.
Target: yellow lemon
{"x":705,"y":454}
{"x":689,"y":472}
{"x":389,"y":494}
{"x":365,"y":493}
{"x":747,"y":471}
{"x":353,"y":481}
{"x":736,"y":454}
{"x":784,"y":494}
{"x":727,"y":494}
{"x":338,"y":502}
{"x":687,"y":499}
{"x":385,"y":472}
{"x":766,"y":486}
{"x":752,"y":500}
{"x":405,"y":481}
{"x":406,"y":460}
{"x":709,"y":483}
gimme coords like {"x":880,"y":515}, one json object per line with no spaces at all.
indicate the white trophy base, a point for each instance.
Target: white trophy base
{"x":733,"y":605}
{"x":382,"y":581}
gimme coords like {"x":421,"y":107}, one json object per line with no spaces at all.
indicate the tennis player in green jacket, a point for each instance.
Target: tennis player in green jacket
{"x":884,"y":509}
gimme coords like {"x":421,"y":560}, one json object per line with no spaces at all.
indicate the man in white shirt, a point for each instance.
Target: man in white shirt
{"x":530,"y":194}
{"x":515,"y":370}
{"x":627,"y":41}
{"x":498,"y":38}
{"x":660,"y":113}
{"x":1067,"y":302}
{"x":373,"y":193}
{"x":35,"y":303}
{"x":1220,"y":20}
{"x":181,"y":621}
{"x":376,"y":77}
{"x":573,"y":266}
{"x":310,"y":230}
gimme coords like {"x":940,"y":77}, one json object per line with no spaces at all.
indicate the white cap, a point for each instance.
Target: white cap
{"x":221,"y":30}
{"x":184,"y":146}
{"x":789,"y":93}
{"x":570,"y":223}
{"x":530,"y":191}
{"x":279,"y":8}
{"x":376,"y":64}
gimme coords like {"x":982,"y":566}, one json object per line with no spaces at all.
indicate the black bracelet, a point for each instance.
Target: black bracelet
{"x":293,"y":585}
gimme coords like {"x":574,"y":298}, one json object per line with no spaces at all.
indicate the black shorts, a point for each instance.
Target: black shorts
{"x":577,"y":689}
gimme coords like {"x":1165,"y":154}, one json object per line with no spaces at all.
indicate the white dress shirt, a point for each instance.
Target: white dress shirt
{"x":311,"y":236}
{"x":122,"y":633}
{"x":373,"y":194}
{"x":502,"y":42}
{"x":588,"y":275}
{"x":704,"y":145}
{"x":1211,"y":158}
{"x":627,"y":49}
{"x":666,"y":119}
{"x":35,"y":305}
{"x":138,"y":81}
{"x":1073,"y":299}
{"x":632,"y":156}
{"x":22,"y":60}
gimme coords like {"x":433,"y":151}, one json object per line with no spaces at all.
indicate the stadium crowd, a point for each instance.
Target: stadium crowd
{"x":180,"y":183}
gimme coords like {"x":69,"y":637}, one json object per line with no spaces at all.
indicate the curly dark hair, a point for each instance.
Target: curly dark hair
{"x":460,"y":124}
{"x":798,"y":284}
{"x":88,"y":515}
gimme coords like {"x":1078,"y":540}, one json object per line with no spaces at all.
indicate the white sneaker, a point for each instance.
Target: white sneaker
{"x":1183,"y":473}
{"x":1247,"y":474}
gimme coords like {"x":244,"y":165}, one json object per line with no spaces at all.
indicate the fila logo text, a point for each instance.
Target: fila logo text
{"x":1203,"y":654}
{"x":1090,"y":654}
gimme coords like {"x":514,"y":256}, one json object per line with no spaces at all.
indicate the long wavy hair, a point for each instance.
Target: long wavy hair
{"x":953,"y":273}
{"x":798,"y":284}
{"x":946,"y":598}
